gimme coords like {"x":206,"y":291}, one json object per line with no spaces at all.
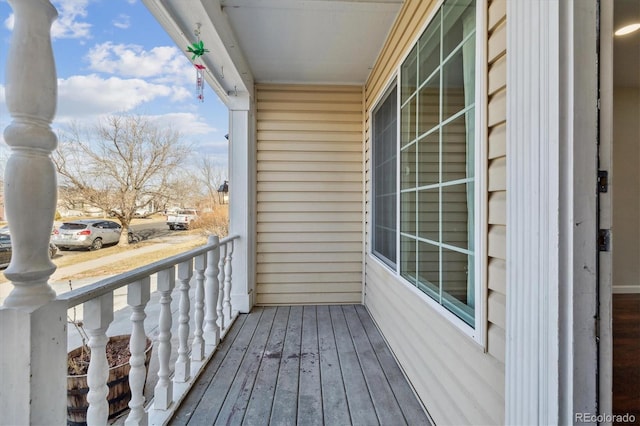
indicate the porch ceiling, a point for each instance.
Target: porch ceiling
{"x":280,"y":41}
{"x":311,"y":41}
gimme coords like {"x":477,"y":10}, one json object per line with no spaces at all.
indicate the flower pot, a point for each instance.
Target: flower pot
{"x":118,"y":382}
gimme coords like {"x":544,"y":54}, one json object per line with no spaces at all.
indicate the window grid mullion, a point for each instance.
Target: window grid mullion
{"x":440,"y":107}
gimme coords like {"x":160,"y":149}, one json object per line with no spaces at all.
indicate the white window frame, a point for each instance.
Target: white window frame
{"x":478,"y":333}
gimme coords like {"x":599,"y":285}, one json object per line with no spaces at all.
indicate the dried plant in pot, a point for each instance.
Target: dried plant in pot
{"x":118,"y":355}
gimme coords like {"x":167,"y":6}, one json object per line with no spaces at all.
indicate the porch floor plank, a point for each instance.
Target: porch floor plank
{"x":361,"y":407}
{"x":264,"y":388}
{"x":285,"y":400}
{"x":334,"y":398}
{"x":302,"y":365}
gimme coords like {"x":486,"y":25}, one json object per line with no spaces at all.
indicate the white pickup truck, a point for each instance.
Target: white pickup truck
{"x":182,"y":219}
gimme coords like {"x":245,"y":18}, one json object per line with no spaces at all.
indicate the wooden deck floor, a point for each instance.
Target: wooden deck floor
{"x":626,"y":354}
{"x":311,"y":365}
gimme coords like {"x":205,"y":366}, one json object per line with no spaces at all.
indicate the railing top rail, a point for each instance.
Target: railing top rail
{"x":97,"y":289}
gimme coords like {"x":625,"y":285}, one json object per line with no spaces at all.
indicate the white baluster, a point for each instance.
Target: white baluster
{"x":227,"y":283}
{"x":98,"y":314}
{"x":212,"y":288}
{"x":223,"y":255}
{"x":197,"y":347}
{"x":138,"y":295}
{"x":183,"y":364}
{"x":30,"y":185}
{"x":163,"y":392}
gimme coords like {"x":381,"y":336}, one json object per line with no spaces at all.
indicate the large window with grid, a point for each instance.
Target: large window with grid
{"x":424,"y":165}
{"x":437,"y":135}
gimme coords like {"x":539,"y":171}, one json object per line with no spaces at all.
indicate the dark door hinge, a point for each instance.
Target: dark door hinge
{"x":603,"y":181}
{"x":604,"y":239}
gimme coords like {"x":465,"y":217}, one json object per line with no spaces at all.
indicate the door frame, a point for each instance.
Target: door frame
{"x":552,"y":135}
{"x":605,"y":217}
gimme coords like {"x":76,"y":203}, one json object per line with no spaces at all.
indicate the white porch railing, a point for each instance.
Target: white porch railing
{"x":213,"y":314}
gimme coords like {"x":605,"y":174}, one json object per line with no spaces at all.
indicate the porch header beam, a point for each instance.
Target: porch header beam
{"x":227,"y":71}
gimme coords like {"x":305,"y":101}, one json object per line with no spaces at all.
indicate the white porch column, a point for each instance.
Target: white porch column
{"x":551,"y":198}
{"x":30,"y":183}
{"x":33,"y":360}
{"x":242,"y":178}
{"x":32,"y":327}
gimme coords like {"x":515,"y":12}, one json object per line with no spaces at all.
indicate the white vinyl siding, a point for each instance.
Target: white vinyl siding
{"x":309,"y":194}
{"x":459,"y":381}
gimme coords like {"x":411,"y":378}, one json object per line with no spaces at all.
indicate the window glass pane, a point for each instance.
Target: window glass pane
{"x":429,"y":159}
{"x":454,"y":149}
{"x":409,"y":75}
{"x":408,"y":215}
{"x":458,"y":86}
{"x":428,"y":214}
{"x":471,"y":140}
{"x":408,"y":129}
{"x":429,"y":49}
{"x":408,"y":262}
{"x":429,"y":114}
{"x":385,"y":178}
{"x":457,"y":275}
{"x":429,"y":269}
{"x":458,"y":21}
{"x":453,"y":86}
{"x":457,"y":207}
{"x":408,"y":161}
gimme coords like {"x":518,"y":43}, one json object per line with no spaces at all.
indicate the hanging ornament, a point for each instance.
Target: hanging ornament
{"x":200,"y":82}
{"x":197,"y":49}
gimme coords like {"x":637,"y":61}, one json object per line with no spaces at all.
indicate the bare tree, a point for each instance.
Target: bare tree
{"x":210,"y":176}
{"x":124,"y":164}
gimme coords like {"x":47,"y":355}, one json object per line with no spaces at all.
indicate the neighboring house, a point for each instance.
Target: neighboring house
{"x":436,"y":161}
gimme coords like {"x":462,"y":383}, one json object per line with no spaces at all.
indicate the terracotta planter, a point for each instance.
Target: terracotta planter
{"x":118,"y":383}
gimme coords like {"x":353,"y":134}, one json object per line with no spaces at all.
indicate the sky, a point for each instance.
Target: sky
{"x":113,"y":57}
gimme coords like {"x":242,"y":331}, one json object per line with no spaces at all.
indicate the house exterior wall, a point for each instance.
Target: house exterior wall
{"x":309,"y":194}
{"x":447,"y":367}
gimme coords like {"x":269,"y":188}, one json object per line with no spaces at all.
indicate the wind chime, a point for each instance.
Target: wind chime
{"x":197,"y":50}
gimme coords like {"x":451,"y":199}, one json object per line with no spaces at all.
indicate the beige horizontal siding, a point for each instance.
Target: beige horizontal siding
{"x":456,"y":379}
{"x":497,"y":246}
{"x":497,"y":272}
{"x":498,"y":208}
{"x":497,"y":185}
{"x":303,"y":298}
{"x":497,"y":175}
{"x":330,"y":278}
{"x":497,"y":141}
{"x":309,"y":194}
{"x":496,"y":338}
{"x":311,"y":158}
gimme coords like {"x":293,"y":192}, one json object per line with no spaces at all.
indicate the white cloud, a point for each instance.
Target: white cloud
{"x":123,"y":21}
{"x":70,"y":22}
{"x":9,"y":22}
{"x":185,"y":122}
{"x":165,"y":64}
{"x":91,"y":95}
